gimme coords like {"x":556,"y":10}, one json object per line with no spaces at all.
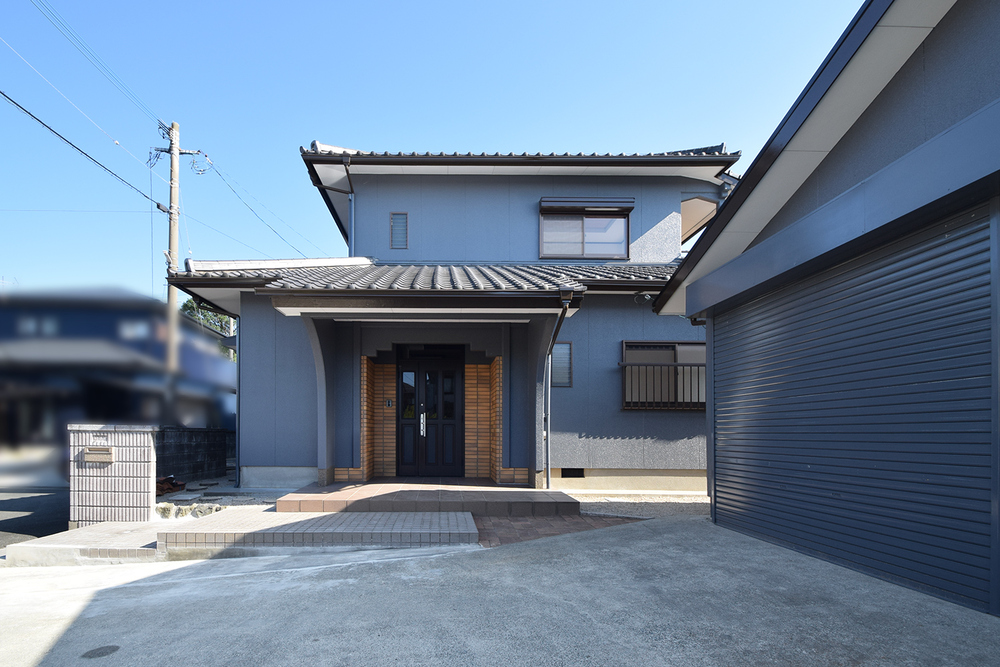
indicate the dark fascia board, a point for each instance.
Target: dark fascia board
{"x":181,"y":282}
{"x":314,"y":177}
{"x":624,"y":285}
{"x":723,"y":161}
{"x":843,"y":51}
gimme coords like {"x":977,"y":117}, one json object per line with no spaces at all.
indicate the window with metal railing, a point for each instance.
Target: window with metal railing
{"x":663,"y":375}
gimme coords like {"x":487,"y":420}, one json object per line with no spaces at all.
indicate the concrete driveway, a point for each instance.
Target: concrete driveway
{"x":32,"y":513}
{"x":671,"y":591}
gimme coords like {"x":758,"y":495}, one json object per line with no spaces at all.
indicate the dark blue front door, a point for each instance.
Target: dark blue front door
{"x":429,"y":428}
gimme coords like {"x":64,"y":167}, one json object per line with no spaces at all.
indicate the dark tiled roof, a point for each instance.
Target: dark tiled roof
{"x":439,"y":277}
{"x":706,"y":151}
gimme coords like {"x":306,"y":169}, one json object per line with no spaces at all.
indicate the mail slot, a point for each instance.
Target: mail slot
{"x":98,"y":455}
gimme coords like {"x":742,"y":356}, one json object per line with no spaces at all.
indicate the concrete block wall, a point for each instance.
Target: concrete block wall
{"x":120,"y":489}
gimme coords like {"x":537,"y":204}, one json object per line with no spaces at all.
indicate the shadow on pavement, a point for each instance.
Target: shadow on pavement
{"x":32,"y":513}
{"x":677,"y":591}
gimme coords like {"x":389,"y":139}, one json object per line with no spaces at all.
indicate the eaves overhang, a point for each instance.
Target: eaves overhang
{"x":879,"y":40}
{"x":361,"y":283}
{"x":417,"y":305}
{"x":330,"y":168}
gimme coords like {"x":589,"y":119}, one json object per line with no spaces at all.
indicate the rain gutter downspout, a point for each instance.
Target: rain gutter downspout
{"x":565,"y":295}
{"x":350,"y":207}
{"x":350,"y":225}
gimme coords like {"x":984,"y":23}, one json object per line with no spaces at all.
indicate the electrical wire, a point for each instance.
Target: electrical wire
{"x":78,"y":149}
{"x":212,"y":165}
{"x":276,"y":233}
{"x":183,"y":217}
{"x":77,"y":41}
{"x":219,"y":231}
{"x":94,"y":123}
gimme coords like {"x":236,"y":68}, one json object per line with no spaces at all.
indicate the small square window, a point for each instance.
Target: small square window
{"x":50,"y":326}
{"x":134,"y":329}
{"x":562,"y":365}
{"x":27,"y":325}
{"x":398,"y":231}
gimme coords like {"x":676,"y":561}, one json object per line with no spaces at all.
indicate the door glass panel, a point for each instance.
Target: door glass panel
{"x":448,"y":395}
{"x":408,"y":400}
{"x":431,"y":395}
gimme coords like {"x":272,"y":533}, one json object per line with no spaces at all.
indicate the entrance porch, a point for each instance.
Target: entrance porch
{"x":430,"y":411}
{"x":481,"y":497}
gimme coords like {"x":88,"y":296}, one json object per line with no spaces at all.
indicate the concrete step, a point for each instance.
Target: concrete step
{"x":244,"y":531}
{"x":220,"y":535}
{"x":392,"y":498}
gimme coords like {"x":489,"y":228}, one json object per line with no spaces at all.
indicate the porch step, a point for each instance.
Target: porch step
{"x":478,"y":501}
{"x":221,"y":535}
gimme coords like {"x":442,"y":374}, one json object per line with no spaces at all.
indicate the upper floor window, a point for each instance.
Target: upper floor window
{"x":398,"y":231}
{"x":572,"y":228}
{"x":134,"y":329}
{"x":30,"y":325}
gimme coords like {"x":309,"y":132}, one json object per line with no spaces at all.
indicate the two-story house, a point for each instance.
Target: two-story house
{"x":492,"y":320}
{"x":98,"y":356}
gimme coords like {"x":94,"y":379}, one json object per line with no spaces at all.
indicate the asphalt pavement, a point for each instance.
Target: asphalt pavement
{"x":669,"y":591}
{"x":32,"y":513}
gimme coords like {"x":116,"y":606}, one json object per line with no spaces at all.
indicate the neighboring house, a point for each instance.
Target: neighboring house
{"x":850,"y":290}
{"x":97,"y":356}
{"x":424,"y":352}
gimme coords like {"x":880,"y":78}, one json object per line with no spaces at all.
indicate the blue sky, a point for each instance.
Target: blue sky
{"x":250,"y":82}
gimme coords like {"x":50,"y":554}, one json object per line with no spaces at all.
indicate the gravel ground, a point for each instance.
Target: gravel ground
{"x":232,"y":501}
{"x":646,"y":507}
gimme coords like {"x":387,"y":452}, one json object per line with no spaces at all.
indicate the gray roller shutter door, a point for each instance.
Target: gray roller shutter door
{"x":853,"y":412}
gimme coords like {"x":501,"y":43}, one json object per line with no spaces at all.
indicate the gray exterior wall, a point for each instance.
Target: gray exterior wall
{"x":590,"y":429}
{"x":277,"y":390}
{"x":495,"y":218}
{"x":950,"y":76}
{"x":476,"y":219}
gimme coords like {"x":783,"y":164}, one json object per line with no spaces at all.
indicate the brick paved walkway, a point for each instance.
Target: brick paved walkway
{"x":496,"y":530}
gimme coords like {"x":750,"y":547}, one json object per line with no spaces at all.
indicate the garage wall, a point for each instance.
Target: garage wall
{"x":854,"y":413}
{"x":951,"y":76}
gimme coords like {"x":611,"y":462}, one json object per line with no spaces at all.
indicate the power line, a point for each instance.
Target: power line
{"x":78,"y":149}
{"x":94,"y":123}
{"x":61,"y":210}
{"x":212,"y":165}
{"x":276,"y":233}
{"x":77,"y":41}
{"x":219,"y":231}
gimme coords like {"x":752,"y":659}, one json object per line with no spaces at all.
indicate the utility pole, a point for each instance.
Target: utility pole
{"x":173,"y":315}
